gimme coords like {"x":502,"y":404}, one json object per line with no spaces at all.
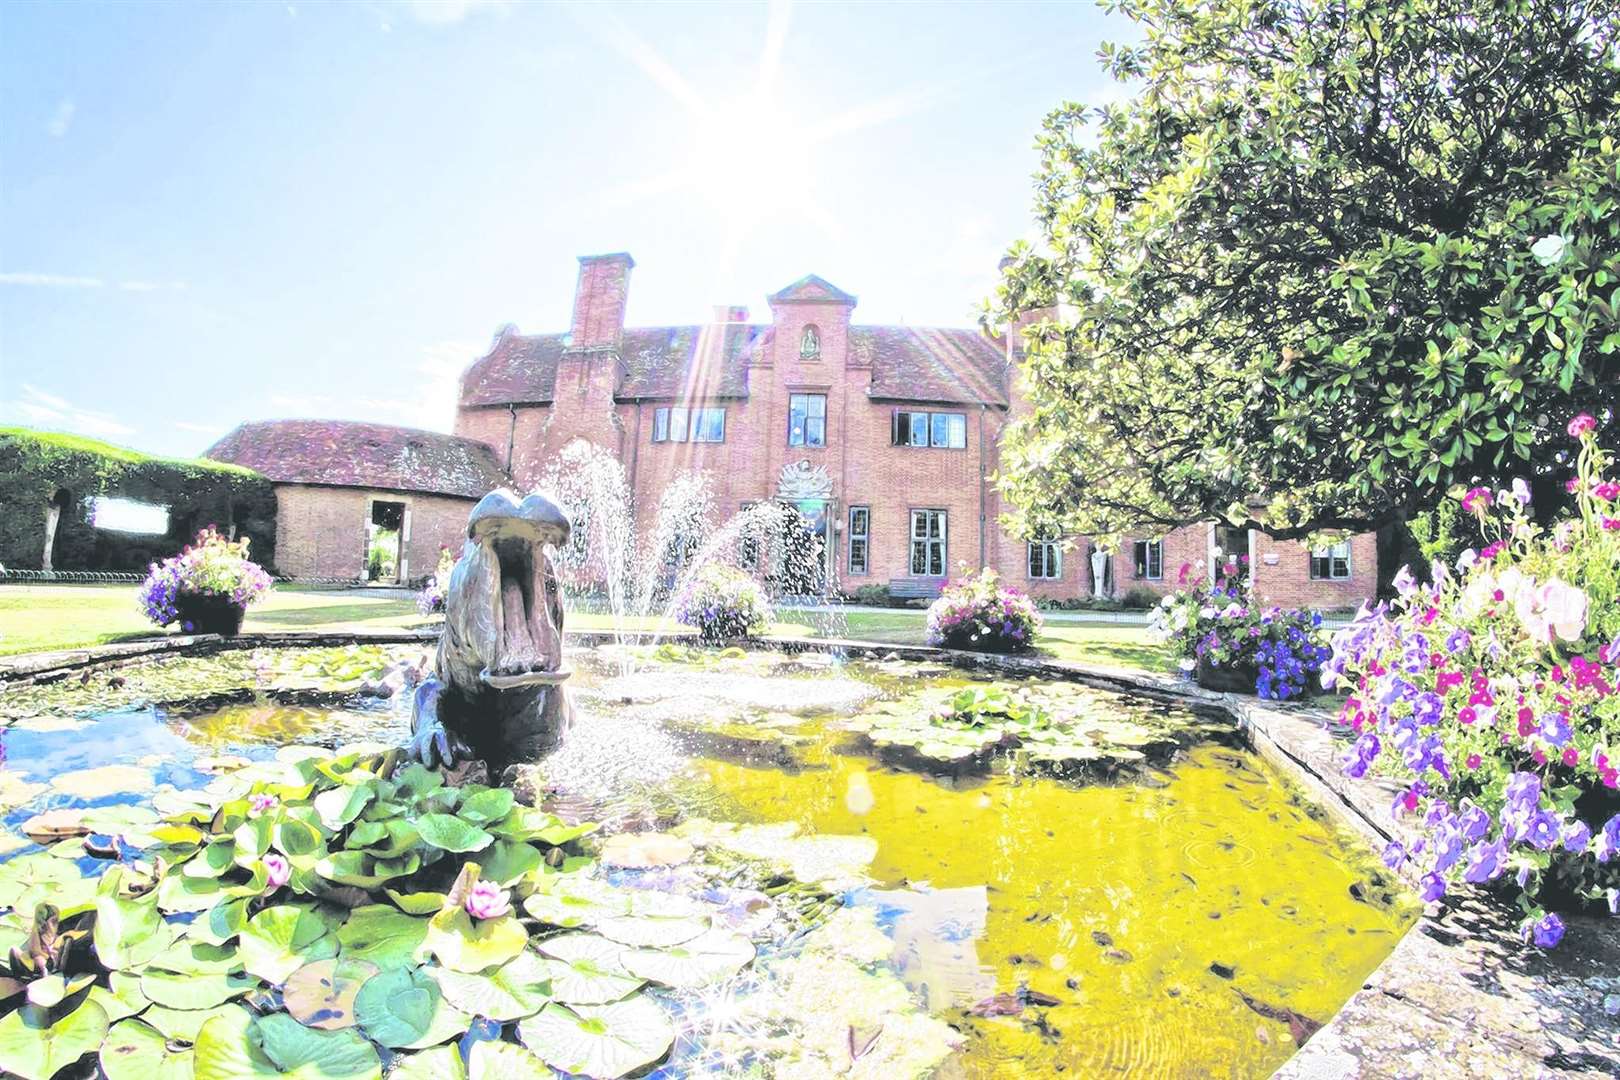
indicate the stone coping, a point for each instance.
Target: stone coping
{"x":1460,"y":996}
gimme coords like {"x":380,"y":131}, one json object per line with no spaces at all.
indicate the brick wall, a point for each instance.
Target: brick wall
{"x":321,"y":531}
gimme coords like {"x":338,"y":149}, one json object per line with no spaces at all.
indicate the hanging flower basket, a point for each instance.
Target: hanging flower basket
{"x":209,"y":613}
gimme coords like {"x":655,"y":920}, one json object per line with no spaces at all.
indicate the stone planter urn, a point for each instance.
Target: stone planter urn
{"x":1227,"y":678}
{"x":209,"y":613}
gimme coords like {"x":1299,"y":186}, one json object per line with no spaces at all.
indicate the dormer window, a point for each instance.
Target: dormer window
{"x":810,"y":344}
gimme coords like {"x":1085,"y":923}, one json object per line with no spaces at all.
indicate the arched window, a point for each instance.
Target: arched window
{"x":810,"y":344}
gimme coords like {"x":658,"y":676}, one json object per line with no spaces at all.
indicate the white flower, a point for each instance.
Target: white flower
{"x":1521,"y":491}
{"x":1549,"y":249}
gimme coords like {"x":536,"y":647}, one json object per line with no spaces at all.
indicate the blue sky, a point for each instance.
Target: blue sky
{"x":213,"y":213}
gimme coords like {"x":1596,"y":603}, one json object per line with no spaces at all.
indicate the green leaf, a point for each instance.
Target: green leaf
{"x":182,"y":1025}
{"x":493,"y":1060}
{"x":404,"y":1008}
{"x":713,"y":957}
{"x":585,"y":969}
{"x":136,"y":1051}
{"x":342,"y":805}
{"x":382,"y":935}
{"x":599,"y":1040}
{"x":297,"y":838}
{"x":517,"y":989}
{"x":440,"y":1063}
{"x":194,"y":991}
{"x":186,"y":957}
{"x":490,"y":804}
{"x":236,"y":1047}
{"x":508,"y":860}
{"x":450,"y":833}
{"x":462,"y":943}
{"x":420,"y":903}
{"x":179,"y":893}
{"x":279,"y":940}
{"x":123,"y":999}
{"x":321,"y":995}
{"x":35,"y":1047}
{"x":569,"y":903}
{"x":653,"y":931}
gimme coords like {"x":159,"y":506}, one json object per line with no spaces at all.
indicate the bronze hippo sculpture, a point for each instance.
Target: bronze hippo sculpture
{"x":496,"y":691}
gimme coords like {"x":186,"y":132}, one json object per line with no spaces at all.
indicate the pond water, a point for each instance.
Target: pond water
{"x":1181,"y":911}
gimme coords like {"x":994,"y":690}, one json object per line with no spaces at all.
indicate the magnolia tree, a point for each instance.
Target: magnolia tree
{"x":1353,"y":253}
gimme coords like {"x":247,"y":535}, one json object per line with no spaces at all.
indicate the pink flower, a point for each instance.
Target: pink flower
{"x":1473,"y":761}
{"x":1611,"y":523}
{"x":1555,"y":608}
{"x":1572,"y":485}
{"x":488,"y":900}
{"x":1608,"y":491}
{"x":278,"y":869}
{"x":1477,"y":499}
{"x":261,"y":804}
{"x":1572,"y":756}
{"x":1581,"y":425}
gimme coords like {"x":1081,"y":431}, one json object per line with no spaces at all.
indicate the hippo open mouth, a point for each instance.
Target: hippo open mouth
{"x":522,"y":586}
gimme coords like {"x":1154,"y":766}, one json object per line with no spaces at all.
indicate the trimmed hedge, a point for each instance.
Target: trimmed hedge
{"x":36,"y":465}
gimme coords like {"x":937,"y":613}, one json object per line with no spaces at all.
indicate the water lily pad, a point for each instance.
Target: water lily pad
{"x":10,"y":841}
{"x":177,"y":991}
{"x":643,"y":850}
{"x":490,"y":804}
{"x":517,"y":989}
{"x":182,"y":1025}
{"x":279,"y":940}
{"x":404,"y":1008}
{"x":35,"y":1047}
{"x":440,"y":1063}
{"x":54,"y":825}
{"x":577,"y":903}
{"x":321,"y":995}
{"x":137,"y":1051}
{"x":102,"y":781}
{"x":122,"y":999}
{"x":15,"y":791}
{"x":653,"y":931}
{"x":505,"y":861}
{"x":418,"y":903}
{"x":382,"y":935}
{"x":48,"y":991}
{"x":599,"y":1040}
{"x":462,"y":943}
{"x":185,"y":893}
{"x":28,"y":880}
{"x":585,"y":969}
{"x":192,"y":957}
{"x":493,"y":1060}
{"x":234,"y":1046}
{"x":128,"y":933}
{"x":451,"y":833}
{"x":710,"y":958}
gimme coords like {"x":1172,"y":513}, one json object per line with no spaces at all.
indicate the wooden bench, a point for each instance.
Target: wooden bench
{"x":915,"y":588}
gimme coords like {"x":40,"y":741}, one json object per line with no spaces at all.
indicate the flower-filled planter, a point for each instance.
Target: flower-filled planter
{"x":981,"y":615}
{"x":724,"y":604}
{"x":1492,"y":695}
{"x":1229,"y":643}
{"x":205,"y":589}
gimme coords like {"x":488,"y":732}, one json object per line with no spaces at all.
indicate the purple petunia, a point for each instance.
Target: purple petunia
{"x":1432,"y":887}
{"x":1548,"y":931}
{"x":1486,"y":861}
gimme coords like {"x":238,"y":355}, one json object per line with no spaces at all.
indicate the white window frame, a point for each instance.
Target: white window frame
{"x":697,"y":427}
{"x":1151,"y":566}
{"x":810,"y":418}
{"x":1051,"y":556}
{"x":1333,"y":555}
{"x":863,"y":536}
{"x":923,"y":544}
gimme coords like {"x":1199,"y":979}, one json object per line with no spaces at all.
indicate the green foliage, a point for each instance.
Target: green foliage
{"x":1351,"y":254}
{"x":35,"y":465}
{"x":283,"y":874}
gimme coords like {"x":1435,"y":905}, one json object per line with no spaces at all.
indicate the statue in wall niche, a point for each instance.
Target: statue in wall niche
{"x":496,"y":693}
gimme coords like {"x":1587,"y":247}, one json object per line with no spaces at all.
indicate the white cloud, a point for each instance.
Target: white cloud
{"x":201,"y":429}
{"x":446,"y":12}
{"x":61,"y":119}
{"x":43,"y":409}
{"x":50,"y":281}
{"x":428,"y":394}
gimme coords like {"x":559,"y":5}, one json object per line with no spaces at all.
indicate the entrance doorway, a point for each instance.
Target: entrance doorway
{"x":385,"y":542}
{"x":806,"y":542}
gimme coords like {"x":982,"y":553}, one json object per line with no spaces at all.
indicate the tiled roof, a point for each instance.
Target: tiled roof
{"x":918,"y":363}
{"x":953,"y":365}
{"x":350,"y":454}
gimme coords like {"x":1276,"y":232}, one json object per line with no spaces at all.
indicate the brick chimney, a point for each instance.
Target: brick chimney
{"x":599,"y":300}
{"x":730,"y":313}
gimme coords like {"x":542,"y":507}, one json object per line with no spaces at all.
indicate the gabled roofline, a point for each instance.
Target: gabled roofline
{"x":834,"y":293}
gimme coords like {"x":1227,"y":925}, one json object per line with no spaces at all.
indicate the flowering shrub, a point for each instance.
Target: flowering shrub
{"x":430,"y":601}
{"x":211,"y":566}
{"x":980,"y":614}
{"x":1490,"y":694}
{"x":723,"y":603}
{"x":1220,"y":625}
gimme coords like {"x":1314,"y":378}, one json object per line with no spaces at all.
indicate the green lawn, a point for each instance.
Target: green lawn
{"x":37,"y":618}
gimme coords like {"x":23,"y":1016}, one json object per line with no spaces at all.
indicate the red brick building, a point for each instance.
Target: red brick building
{"x":344,"y":488}
{"x":885,"y":437}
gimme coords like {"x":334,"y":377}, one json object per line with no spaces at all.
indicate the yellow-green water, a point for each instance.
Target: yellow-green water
{"x":1117,"y":901}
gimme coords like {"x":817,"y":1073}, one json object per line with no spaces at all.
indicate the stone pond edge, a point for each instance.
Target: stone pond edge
{"x":1456,"y":997}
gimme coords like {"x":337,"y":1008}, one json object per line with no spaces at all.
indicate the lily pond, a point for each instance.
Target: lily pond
{"x":738,"y":864}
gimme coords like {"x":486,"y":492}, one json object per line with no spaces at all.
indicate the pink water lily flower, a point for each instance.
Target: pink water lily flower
{"x":488,"y":900}
{"x":261,"y":804}
{"x":278,"y":869}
